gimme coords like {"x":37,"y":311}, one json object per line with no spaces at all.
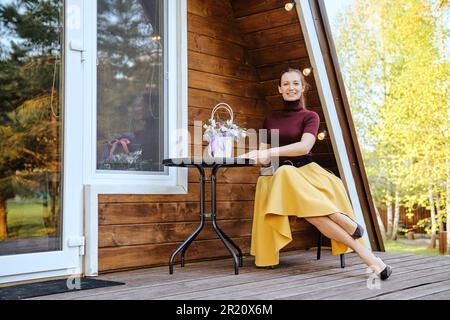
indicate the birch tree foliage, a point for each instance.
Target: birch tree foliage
{"x":390,"y":54}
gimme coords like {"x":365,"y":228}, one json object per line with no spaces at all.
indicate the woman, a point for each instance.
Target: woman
{"x":300,"y":187}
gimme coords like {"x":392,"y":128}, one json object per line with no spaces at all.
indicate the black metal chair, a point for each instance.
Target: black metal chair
{"x":319,"y":248}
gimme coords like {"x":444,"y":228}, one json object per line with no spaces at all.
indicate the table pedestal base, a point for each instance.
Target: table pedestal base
{"x":229,"y":244}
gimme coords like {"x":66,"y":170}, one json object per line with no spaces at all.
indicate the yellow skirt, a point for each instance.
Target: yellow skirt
{"x":308,"y":191}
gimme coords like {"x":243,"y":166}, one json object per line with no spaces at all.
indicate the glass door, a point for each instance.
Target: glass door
{"x":40,"y":225}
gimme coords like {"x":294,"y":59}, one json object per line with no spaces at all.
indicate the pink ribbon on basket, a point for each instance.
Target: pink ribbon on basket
{"x":113,"y":143}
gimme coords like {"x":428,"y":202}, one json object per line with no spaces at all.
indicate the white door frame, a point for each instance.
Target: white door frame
{"x":68,"y":261}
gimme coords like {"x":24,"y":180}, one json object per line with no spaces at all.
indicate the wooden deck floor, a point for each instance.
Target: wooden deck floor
{"x":299,"y":276}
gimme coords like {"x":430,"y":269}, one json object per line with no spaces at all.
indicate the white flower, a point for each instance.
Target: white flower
{"x":223,"y":129}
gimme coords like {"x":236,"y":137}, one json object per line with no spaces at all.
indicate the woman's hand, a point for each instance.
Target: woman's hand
{"x":260,"y":156}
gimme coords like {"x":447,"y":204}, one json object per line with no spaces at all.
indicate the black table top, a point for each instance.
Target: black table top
{"x":208,"y":162}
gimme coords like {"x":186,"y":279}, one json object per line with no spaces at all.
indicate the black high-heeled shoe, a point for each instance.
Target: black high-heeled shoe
{"x":385,"y":273}
{"x":359,"y":232}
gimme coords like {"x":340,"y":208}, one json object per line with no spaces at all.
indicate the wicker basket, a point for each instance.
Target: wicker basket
{"x":221,"y":146}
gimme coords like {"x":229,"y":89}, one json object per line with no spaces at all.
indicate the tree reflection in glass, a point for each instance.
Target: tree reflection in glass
{"x":30,"y":125}
{"x":130,"y":85}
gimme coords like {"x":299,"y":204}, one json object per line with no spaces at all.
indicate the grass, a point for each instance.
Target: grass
{"x":401,"y":247}
{"x":28,"y":219}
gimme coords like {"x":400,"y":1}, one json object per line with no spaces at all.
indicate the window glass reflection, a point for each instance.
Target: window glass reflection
{"x":130,"y":85}
{"x":30,"y":126}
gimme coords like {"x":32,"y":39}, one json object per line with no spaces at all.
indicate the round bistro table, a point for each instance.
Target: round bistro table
{"x":215,"y":163}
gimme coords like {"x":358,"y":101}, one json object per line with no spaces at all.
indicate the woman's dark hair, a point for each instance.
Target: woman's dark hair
{"x":305,"y":84}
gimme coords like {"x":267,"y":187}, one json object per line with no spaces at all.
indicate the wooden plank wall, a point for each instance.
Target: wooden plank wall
{"x":274,"y":40}
{"x":230,"y":60}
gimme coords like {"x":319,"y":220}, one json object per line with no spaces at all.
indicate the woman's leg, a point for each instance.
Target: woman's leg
{"x":333,"y":231}
{"x":344,"y":222}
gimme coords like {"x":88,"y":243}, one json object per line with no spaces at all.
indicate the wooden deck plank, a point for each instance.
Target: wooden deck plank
{"x":326,"y":262}
{"x":246,"y":290}
{"x":359,"y":291}
{"x":403,"y":277}
{"x":443,"y":295}
{"x":151,"y":277}
{"x":207,"y":274}
{"x":299,"y":276}
{"x":157,"y":276}
{"x":417,"y":291}
{"x":248,"y":277}
{"x":303,"y":279}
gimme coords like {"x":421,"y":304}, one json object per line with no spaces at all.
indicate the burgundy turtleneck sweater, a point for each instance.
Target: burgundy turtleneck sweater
{"x":292,"y":121}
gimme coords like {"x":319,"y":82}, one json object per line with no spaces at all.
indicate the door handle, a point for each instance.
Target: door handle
{"x":79,"y":47}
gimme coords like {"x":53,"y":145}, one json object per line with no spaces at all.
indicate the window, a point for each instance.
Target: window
{"x":131,"y":102}
{"x":135,"y":95}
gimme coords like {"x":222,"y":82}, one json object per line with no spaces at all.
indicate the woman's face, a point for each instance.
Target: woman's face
{"x":291,"y":86}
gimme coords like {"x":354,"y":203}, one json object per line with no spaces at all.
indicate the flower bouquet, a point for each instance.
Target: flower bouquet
{"x":221,"y":135}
